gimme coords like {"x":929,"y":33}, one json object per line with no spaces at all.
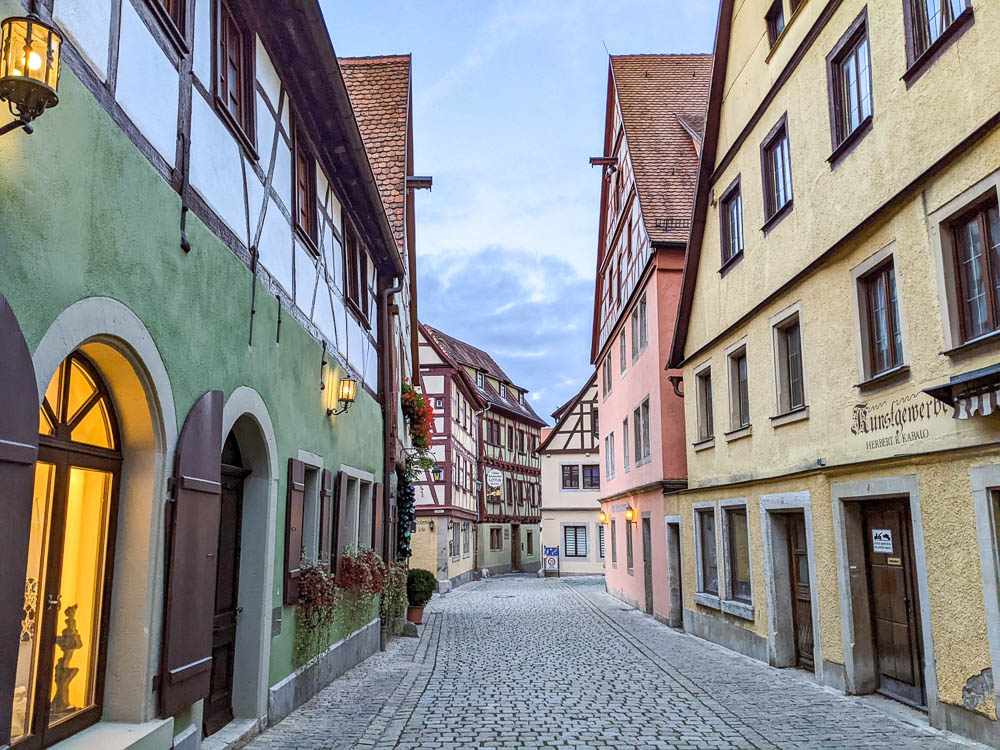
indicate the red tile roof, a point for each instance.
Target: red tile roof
{"x":379,"y":88}
{"x":655,"y":93}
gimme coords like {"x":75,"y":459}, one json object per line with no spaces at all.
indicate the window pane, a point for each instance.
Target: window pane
{"x":793,"y":344}
{"x":879,"y":322}
{"x":95,"y":427}
{"x":709,"y":568}
{"x":637,"y":427}
{"x":743,"y":391}
{"x":646,"y":450}
{"x":864,"y":79}
{"x":969,"y":245}
{"x":993,"y":226}
{"x":81,"y":387}
{"x":80,"y":593}
{"x":852,"y":103}
{"x":739,"y":555}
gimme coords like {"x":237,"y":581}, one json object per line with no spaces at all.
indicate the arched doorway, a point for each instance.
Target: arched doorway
{"x":219,"y":703}
{"x":63,"y":644}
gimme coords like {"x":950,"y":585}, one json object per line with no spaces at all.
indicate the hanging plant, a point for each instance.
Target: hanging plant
{"x":420,"y":415}
{"x":315,"y":612}
{"x":406,"y":497}
{"x":362,"y":577}
{"x":392,"y":608}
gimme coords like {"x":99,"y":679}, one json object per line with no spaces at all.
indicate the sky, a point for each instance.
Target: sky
{"x":509,"y":102}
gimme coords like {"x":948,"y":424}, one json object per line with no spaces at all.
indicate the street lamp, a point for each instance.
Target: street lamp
{"x":30,"y":57}
{"x":346,"y":394}
{"x":602,"y":517}
{"x":436,"y":472}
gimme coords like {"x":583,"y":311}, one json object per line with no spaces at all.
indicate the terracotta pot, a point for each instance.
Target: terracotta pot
{"x":415,"y":615}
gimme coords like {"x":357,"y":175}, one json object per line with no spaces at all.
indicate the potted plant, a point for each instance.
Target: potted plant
{"x":420,"y":584}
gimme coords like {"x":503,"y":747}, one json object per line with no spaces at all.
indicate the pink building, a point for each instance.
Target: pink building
{"x":652,"y":141}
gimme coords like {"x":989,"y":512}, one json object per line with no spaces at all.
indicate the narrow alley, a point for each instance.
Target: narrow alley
{"x":519,"y":662}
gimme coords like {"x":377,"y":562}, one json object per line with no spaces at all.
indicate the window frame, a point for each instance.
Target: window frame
{"x":614,"y":545}
{"x":301,"y":151}
{"x":732,"y":194}
{"x":595,"y":471}
{"x":842,"y":140}
{"x":739,"y":393}
{"x":577,"y":529}
{"x":774,"y":213}
{"x":980,"y":213}
{"x":622,"y":353}
{"x":774,"y":12}
{"x":780,"y":326}
{"x":643,"y":324}
{"x":728,"y":510}
{"x":703,"y":594}
{"x":563,"y":486}
{"x":355,"y":265}
{"x":704,"y":404}
{"x":629,"y":547}
{"x":243,"y":125}
{"x":174,"y":21}
{"x":918,"y":63}
{"x":880,"y":272}
{"x":625,"y":446}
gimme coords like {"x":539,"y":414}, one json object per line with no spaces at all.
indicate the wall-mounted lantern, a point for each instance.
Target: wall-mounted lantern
{"x":431,"y":524}
{"x":347,"y":391}
{"x":30,"y":57}
{"x":630,"y":514}
{"x":437,"y":472}
{"x":602,"y":517}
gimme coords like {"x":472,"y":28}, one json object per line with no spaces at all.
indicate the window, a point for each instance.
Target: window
{"x":629,"y":550}
{"x":496,"y":538}
{"x":591,"y":477}
{"x":466,"y":533}
{"x":621,"y":351}
{"x":453,"y":548}
{"x":614,"y":544}
{"x":777,"y":168}
{"x":571,"y":477}
{"x":600,"y":541}
{"x":775,"y":19}
{"x":575,"y":541}
{"x":595,"y":421}
{"x":849,"y":71}
{"x":646,"y":448}
{"x":606,"y":376}
{"x":928,"y":20}
{"x":739,"y":554}
{"x":530,"y":542}
{"x":175,"y":12}
{"x":703,"y":396}
{"x":510,"y":438}
{"x":234,"y":72}
{"x":503,"y":390}
{"x":788,"y":349}
{"x":480,"y":380}
{"x":635,"y":334}
{"x":625,"y":452}
{"x":976,"y":238}
{"x":609,"y":455}
{"x":643,"y":340}
{"x":305,"y":190}
{"x":510,"y":492}
{"x":708,"y":578}
{"x":885,"y":341}
{"x":520,"y":441}
{"x":739,"y":395}
{"x":731,"y":220}
{"x":356,"y":274}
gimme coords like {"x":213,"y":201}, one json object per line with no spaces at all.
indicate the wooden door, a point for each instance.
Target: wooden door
{"x":892,"y":600}
{"x":515,"y":548}
{"x":798,"y":565}
{"x":647,"y":564}
{"x":219,"y":703}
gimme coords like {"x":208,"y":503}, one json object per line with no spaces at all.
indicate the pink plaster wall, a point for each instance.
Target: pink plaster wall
{"x":630,"y":587}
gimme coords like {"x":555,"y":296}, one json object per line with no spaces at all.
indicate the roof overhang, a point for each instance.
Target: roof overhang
{"x":971,"y":393}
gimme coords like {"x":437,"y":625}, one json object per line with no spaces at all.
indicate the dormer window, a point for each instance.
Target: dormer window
{"x":520,"y":398}
{"x":503,"y":391}
{"x":480,"y":380}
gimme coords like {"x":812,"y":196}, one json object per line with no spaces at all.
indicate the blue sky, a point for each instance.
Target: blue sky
{"x":509,"y":99}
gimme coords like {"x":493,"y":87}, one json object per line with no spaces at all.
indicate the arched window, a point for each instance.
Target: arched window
{"x":60,"y":668}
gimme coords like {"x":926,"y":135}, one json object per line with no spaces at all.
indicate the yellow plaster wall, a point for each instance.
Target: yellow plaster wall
{"x":424,"y":547}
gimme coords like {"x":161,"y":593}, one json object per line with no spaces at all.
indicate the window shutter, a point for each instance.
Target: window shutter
{"x":325,"y":518}
{"x":293,"y":528}
{"x":192,"y":555}
{"x":18,"y":453}
{"x":378,"y":542}
{"x":341,"y":516}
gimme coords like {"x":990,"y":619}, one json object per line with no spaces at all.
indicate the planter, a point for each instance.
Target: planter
{"x":415,"y":614}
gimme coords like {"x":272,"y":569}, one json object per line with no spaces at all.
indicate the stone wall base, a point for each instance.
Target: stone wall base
{"x":732,"y":637}
{"x":302,"y":684}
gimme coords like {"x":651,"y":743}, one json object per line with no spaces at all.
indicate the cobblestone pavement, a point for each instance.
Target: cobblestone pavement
{"x":518,"y":662}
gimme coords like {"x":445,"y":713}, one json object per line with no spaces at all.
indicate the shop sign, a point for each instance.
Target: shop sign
{"x":882,"y":541}
{"x":900,"y":421}
{"x":494,"y":478}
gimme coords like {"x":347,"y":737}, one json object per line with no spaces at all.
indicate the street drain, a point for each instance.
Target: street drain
{"x":503,"y":596}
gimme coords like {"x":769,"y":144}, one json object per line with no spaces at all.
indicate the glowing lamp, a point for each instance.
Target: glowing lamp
{"x":436,"y":472}
{"x":30,"y":55}
{"x":347,"y":391}
{"x":629,"y":514}
{"x":602,"y":517}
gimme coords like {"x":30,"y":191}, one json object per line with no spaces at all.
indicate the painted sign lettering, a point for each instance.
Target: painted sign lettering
{"x":898,"y":421}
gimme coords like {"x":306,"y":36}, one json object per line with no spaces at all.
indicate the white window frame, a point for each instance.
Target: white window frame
{"x":311,"y":532}
{"x":602,"y":547}
{"x":625,"y":456}
{"x":359,"y":497}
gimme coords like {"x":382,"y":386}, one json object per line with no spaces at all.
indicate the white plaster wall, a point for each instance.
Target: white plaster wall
{"x":215,"y":166}
{"x":87,"y":23}
{"x":202,"y":42}
{"x":305,"y":279}
{"x":275,"y":248}
{"x":267,"y":76}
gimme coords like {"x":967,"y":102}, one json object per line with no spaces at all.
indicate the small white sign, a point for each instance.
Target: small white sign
{"x":882,"y":541}
{"x":494,"y":478}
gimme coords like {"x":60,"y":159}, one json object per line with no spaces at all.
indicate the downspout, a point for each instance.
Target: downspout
{"x":480,"y":504}
{"x":388,"y":411}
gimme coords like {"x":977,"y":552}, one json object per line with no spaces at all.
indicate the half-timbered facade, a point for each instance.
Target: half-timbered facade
{"x":508,"y":475}
{"x":838,"y":335}
{"x":652,"y":141}
{"x":571,"y":486}
{"x":186,"y":293}
{"x":447,"y":499}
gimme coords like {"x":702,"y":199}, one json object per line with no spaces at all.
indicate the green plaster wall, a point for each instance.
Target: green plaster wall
{"x":83,"y":214}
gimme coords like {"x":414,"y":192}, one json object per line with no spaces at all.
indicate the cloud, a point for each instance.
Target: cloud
{"x":531,"y":313}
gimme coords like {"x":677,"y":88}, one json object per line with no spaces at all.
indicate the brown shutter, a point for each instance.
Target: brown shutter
{"x":325,"y":518}
{"x":378,"y":542}
{"x":338,"y":551}
{"x":192,"y":556}
{"x":293,"y":528}
{"x":18,"y":452}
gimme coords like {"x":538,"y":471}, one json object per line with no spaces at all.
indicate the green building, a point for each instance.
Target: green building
{"x":207,"y":306}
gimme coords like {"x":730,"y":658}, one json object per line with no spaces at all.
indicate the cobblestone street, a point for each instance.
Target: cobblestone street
{"x":517,"y":662}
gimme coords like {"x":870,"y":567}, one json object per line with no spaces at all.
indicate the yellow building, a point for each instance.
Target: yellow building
{"x":571,"y":487}
{"x":839,"y":334}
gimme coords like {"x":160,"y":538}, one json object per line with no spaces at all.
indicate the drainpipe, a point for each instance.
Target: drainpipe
{"x":675,"y":381}
{"x":482,"y":488}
